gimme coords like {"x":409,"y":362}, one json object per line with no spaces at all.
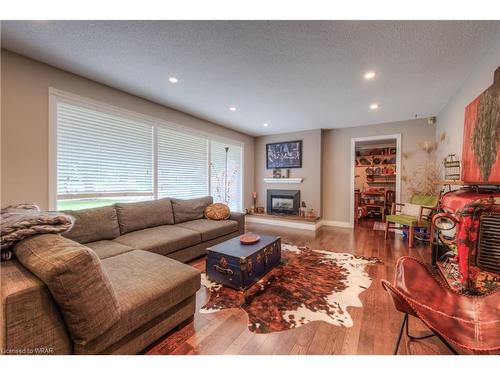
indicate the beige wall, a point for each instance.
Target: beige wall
{"x":337,"y":160}
{"x":24,"y":125}
{"x":310,"y":188}
{"x":451,"y":118}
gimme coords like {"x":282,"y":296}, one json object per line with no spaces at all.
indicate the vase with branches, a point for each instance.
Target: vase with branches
{"x":225,"y":179}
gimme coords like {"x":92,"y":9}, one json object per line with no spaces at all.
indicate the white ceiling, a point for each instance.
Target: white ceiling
{"x":294,"y":75}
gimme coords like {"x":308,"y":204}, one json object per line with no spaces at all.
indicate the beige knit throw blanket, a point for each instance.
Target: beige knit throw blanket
{"x":26,"y":220}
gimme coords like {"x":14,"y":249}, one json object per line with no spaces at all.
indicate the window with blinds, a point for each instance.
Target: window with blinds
{"x":226,"y":177}
{"x":102,"y":156}
{"x":182,"y":164}
{"x":105,"y":157}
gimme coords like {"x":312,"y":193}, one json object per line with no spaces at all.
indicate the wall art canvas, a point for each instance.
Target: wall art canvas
{"x":481,"y":144}
{"x":284,"y":155}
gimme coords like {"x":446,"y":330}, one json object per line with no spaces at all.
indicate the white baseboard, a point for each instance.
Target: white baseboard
{"x":334,"y":223}
{"x":297,"y":225}
{"x":282,"y":223}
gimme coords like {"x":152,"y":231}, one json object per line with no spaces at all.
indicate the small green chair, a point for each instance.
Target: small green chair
{"x":422,"y":220}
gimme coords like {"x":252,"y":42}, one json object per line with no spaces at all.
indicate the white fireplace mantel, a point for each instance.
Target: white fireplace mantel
{"x":295,"y":180}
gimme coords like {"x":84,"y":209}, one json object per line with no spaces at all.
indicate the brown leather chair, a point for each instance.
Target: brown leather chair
{"x":468,"y":322}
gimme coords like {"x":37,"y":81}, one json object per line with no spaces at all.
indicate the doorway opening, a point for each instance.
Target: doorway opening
{"x":375,"y":179}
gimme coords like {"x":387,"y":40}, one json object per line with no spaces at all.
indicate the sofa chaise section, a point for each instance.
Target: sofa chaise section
{"x":117,"y":305}
{"x":154,"y":293}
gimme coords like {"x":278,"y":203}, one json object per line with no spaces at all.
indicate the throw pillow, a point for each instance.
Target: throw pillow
{"x":217,"y":211}
{"x":411,"y":209}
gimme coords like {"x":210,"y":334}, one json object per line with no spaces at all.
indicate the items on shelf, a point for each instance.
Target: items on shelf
{"x":375,"y":171}
{"x":281,"y":173}
{"x":451,"y":168}
{"x":254,"y":204}
{"x":302,"y":209}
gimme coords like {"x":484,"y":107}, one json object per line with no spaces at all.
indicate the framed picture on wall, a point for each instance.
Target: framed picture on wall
{"x":284,"y":155}
{"x":481,"y":149}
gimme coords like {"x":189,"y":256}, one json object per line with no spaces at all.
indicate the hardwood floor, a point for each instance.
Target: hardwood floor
{"x":376,"y":324}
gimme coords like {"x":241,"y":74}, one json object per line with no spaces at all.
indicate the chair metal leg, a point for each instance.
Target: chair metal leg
{"x":405,"y":328}
{"x":411,"y":337}
{"x":398,"y":341}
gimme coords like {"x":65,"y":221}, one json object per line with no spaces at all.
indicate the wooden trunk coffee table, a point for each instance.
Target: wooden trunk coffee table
{"x":239,"y":266}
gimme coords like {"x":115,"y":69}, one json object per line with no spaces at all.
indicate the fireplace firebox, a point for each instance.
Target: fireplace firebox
{"x":283,"y":202}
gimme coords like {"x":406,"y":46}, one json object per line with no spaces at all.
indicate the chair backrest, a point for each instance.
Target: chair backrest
{"x":424,"y":200}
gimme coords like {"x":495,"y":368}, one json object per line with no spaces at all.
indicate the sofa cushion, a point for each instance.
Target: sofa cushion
{"x":146,"y":286}
{"x":190,"y":209}
{"x":75,"y":277}
{"x":163,"y":240}
{"x":140,"y":215}
{"x":105,"y":249}
{"x":93,"y":224}
{"x":210,"y":229}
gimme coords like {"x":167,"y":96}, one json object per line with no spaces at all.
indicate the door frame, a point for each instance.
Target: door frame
{"x":396,"y":137}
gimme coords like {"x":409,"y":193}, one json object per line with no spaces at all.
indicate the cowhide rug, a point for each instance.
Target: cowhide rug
{"x":309,"y":285}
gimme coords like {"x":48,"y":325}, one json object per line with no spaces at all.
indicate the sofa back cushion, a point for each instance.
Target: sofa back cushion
{"x":190,"y":209}
{"x":141,"y":215}
{"x":77,"y":281}
{"x":94,"y":224}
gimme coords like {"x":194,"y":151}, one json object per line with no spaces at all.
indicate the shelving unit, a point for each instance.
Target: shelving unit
{"x":374,"y":203}
{"x":377,"y":176}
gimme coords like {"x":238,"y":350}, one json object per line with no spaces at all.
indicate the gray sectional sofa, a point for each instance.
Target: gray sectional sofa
{"x":115,"y":283}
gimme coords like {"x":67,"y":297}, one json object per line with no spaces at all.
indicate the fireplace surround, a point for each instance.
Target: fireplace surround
{"x":283,"y":202}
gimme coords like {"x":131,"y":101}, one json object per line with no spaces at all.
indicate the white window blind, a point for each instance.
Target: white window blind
{"x":106,"y":156}
{"x":226,"y":185}
{"x":101,"y":154}
{"x":182,"y":164}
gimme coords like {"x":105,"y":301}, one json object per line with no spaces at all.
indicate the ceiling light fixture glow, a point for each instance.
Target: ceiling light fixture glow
{"x":265,"y":125}
{"x":374,"y":106}
{"x":369,"y":75}
{"x":232,"y":109}
{"x":173,"y":80}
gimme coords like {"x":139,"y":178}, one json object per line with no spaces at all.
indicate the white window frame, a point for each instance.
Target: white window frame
{"x":56,"y":95}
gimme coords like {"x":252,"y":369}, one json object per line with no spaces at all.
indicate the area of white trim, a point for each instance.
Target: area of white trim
{"x":397,"y":137}
{"x":282,"y":223}
{"x":295,"y":224}
{"x":52,"y":157}
{"x":334,"y":223}
{"x":295,"y":180}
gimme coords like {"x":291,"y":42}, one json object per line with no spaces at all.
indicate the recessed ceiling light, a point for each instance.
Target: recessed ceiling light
{"x":173,"y":80}
{"x":374,"y":106}
{"x":369,"y":75}
{"x":232,"y":109}
{"x":265,"y":125}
